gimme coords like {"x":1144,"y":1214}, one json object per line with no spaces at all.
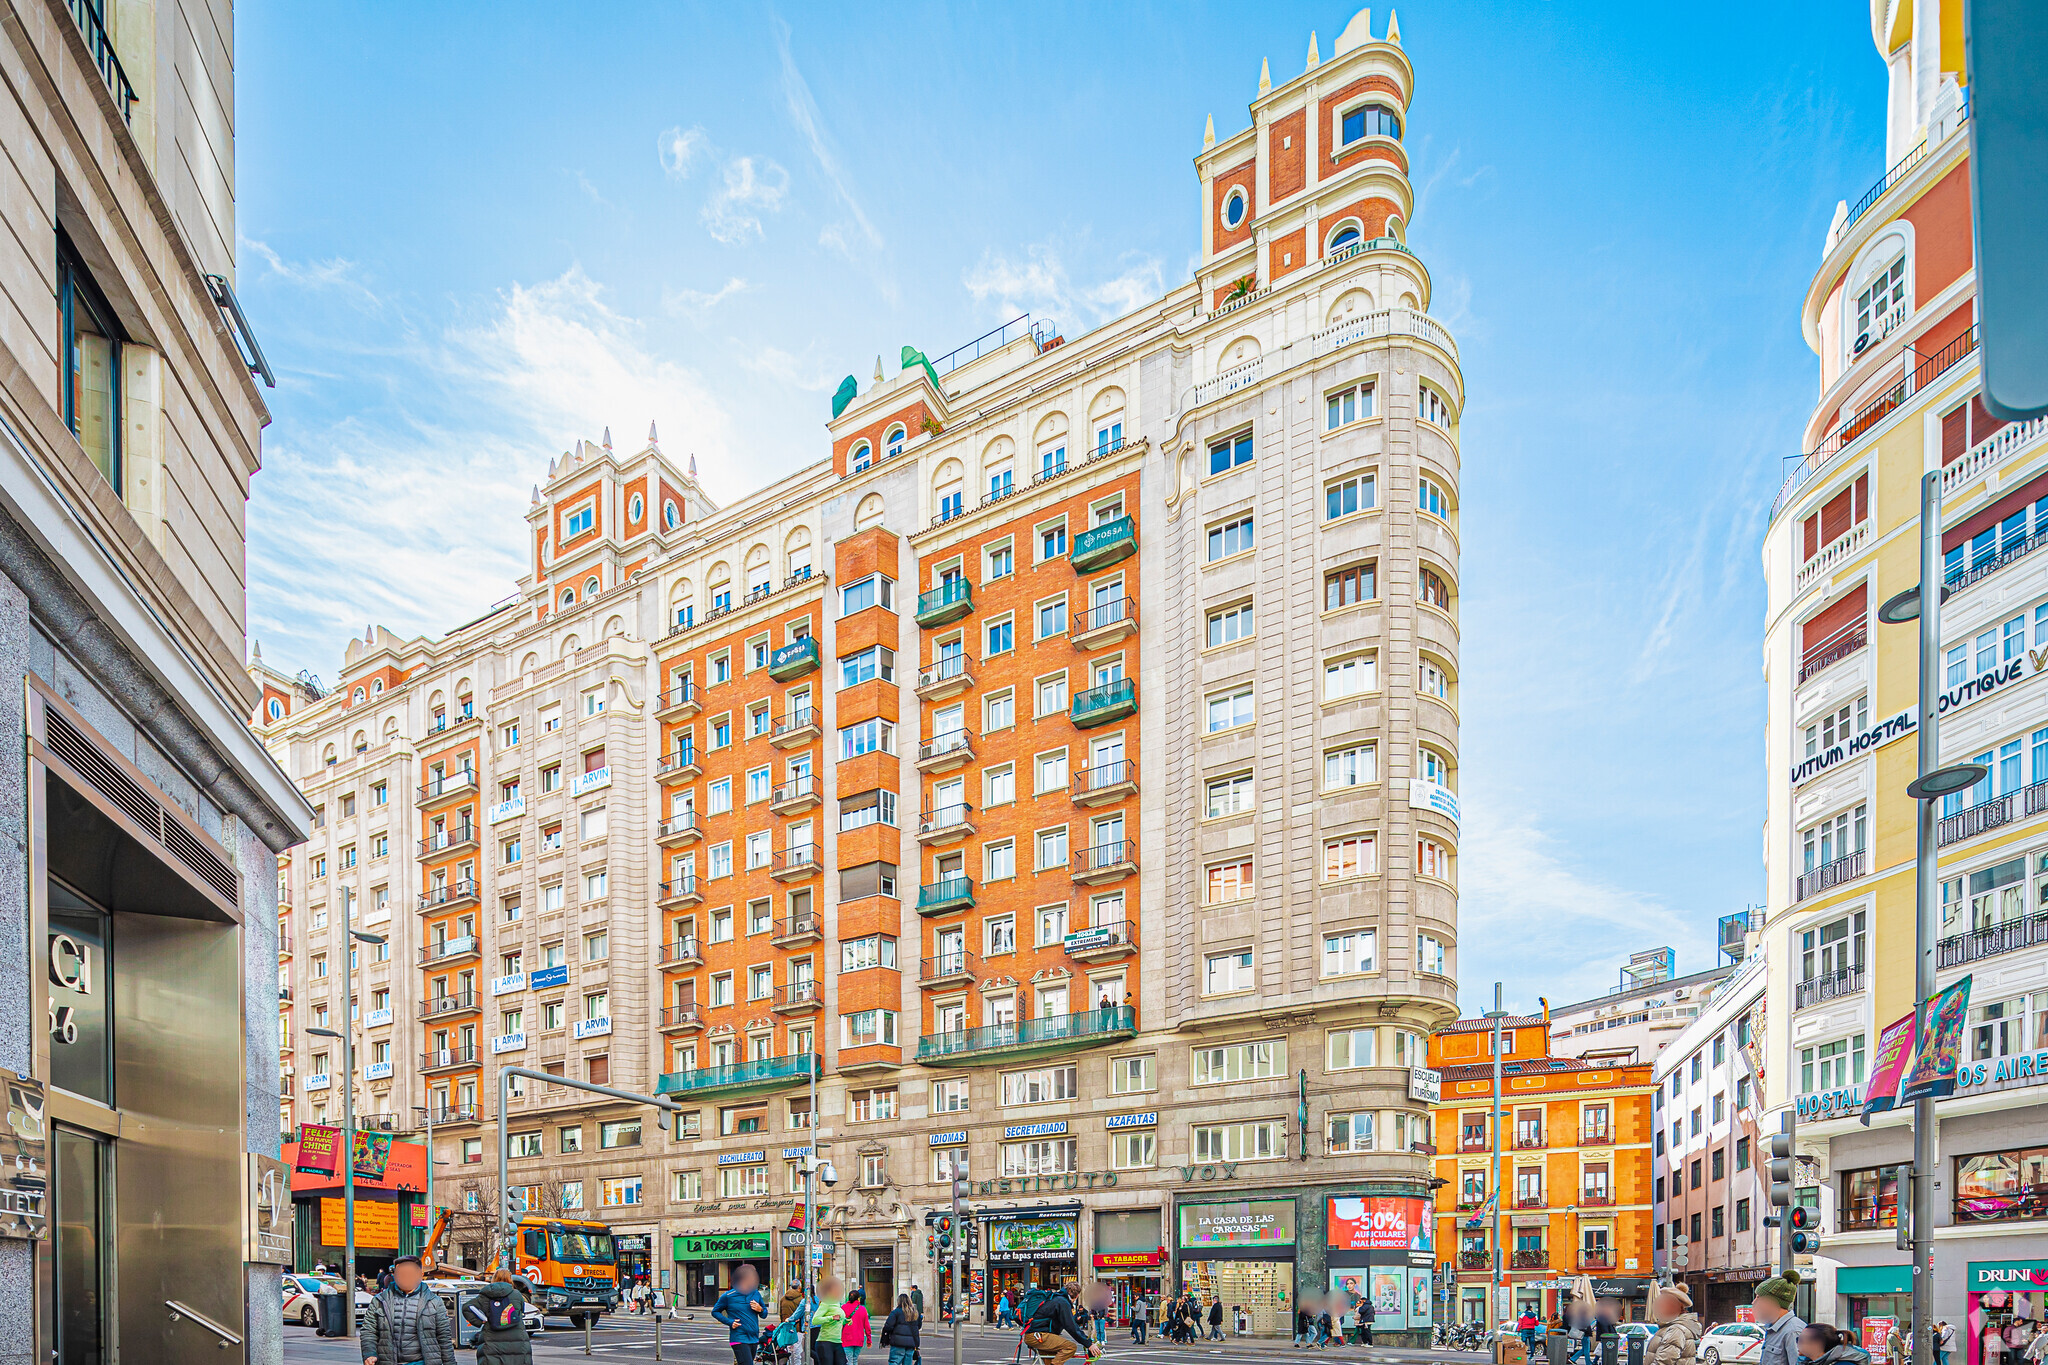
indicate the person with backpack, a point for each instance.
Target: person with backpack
{"x":1050,"y":1326}
{"x":901,"y":1330}
{"x":498,"y":1312}
{"x":741,"y":1309}
{"x":829,"y":1323}
{"x":856,"y":1336}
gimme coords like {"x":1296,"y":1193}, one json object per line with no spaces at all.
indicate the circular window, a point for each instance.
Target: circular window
{"x":638,"y":508}
{"x":1235,"y":206}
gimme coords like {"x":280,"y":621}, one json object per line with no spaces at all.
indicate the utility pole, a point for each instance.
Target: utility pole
{"x":507,"y":1239}
{"x":1493,"y":1315}
{"x":347,"y":1035}
{"x":959,"y":1187}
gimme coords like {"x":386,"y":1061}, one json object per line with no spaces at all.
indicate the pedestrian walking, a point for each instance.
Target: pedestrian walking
{"x":1347,"y":1323}
{"x":829,"y":1323}
{"x":900,"y":1331}
{"x":1006,"y":1310}
{"x":917,"y":1299}
{"x":1944,"y":1342}
{"x":741,"y":1309}
{"x":1773,"y":1305}
{"x":856,"y":1334}
{"x":1368,"y":1313}
{"x":1216,"y":1319}
{"x":498,"y":1312}
{"x":407,"y":1323}
{"x":1678,"y":1328}
{"x":1140,"y":1305}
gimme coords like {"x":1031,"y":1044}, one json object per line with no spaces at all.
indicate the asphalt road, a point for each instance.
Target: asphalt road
{"x":631,"y":1339}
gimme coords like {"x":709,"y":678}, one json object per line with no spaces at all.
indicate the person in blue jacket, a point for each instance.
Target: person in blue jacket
{"x":741,"y":1309}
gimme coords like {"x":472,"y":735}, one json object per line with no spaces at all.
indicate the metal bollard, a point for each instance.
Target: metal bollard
{"x":1635,"y":1349}
{"x":1610,"y":1350}
{"x":587,"y":1319}
{"x":657,"y":1331}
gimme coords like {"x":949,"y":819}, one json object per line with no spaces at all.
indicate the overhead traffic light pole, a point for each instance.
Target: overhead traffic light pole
{"x":1780,"y":1168}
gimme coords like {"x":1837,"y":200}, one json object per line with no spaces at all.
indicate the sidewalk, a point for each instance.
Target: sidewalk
{"x":1120,"y":1343}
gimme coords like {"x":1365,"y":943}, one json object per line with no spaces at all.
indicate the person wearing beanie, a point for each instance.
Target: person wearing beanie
{"x":1678,"y":1328}
{"x":1773,"y":1304}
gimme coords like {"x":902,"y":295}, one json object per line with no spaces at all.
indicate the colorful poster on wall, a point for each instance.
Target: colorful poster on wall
{"x":1351,"y":1283}
{"x":1389,"y":1296}
{"x":1420,"y":1283}
{"x":319,"y":1150}
{"x":1894,"y":1050}
{"x":1379,"y":1224}
{"x":419,"y":1215}
{"x":1253,"y":1223}
{"x":1939,"y":1048}
{"x":372,"y":1153}
{"x":376,"y":1223}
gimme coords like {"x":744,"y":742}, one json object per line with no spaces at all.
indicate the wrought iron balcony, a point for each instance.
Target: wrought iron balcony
{"x":799,"y":997}
{"x":452,"y":1114}
{"x":947,"y":969}
{"x":86,"y":14}
{"x":679,"y":765}
{"x":1599,"y":1135}
{"x":678,"y":892}
{"x":447,"y":897}
{"x":1475,"y":1260}
{"x":1106,"y":862}
{"x":1105,"y":623}
{"x":448,"y":786}
{"x":1989,"y":815}
{"x":683,"y":952}
{"x":681,"y":1019}
{"x":1596,"y":1259}
{"x":1027,"y":1037}
{"x":950,"y":601}
{"x":950,"y":749}
{"x":447,"y":840}
{"x":1105,"y":782}
{"x":798,"y":794}
{"x":1831,"y":986}
{"x":948,"y":674}
{"x":457,"y":1002}
{"x":1839,"y":645}
{"x":1976,"y":945}
{"x":802,"y":725}
{"x":681,"y":700}
{"x":946,"y":824}
{"x":450,"y":949}
{"x":794,"y":864}
{"x":1101,"y":705}
{"x":792,"y":930}
{"x":1525,"y":1258}
{"x":1827,"y":875}
{"x":794,"y":659}
{"x":679,"y":829}
{"x":447,"y":1057}
{"x":1103,"y":942}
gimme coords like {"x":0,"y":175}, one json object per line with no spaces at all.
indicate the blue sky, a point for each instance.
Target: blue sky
{"x":471,"y":235}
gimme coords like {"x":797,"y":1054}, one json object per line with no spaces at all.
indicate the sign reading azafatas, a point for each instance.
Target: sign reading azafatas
{"x":1247,"y":1223}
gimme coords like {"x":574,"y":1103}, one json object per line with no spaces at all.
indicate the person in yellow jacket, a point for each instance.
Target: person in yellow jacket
{"x":829,"y":1322}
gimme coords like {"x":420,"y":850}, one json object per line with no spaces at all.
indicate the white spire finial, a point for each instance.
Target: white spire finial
{"x":1393,"y":28}
{"x":536,"y":493}
{"x":1265,"y":77}
{"x":1209,"y":133}
{"x":652,"y":439}
{"x":607,"y":438}
{"x":693,"y":464}
{"x":878,"y":369}
{"x":1315,"y":58}
{"x":255,"y":650}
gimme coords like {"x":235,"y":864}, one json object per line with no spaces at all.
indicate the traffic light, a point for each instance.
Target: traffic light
{"x":945,"y":1226}
{"x":1804,"y":1242}
{"x":1681,"y":1251}
{"x":1780,"y":1163}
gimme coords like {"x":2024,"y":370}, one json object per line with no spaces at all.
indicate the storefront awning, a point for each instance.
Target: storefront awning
{"x":1874,"y":1279}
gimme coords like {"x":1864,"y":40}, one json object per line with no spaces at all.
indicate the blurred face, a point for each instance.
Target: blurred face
{"x":1811,"y":1346}
{"x":407,"y":1275}
{"x":745,"y":1278}
{"x":1669,"y":1307}
{"x":1768,"y":1310}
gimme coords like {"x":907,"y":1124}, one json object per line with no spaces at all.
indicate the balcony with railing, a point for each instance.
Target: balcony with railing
{"x":794,"y":930}
{"x":1530,"y":1141}
{"x":1470,"y":1142}
{"x":679,"y":829}
{"x":455,"y":1002}
{"x":1985,"y":816}
{"x":794,"y":863}
{"x":2004,"y":444}
{"x":679,"y":702}
{"x":450,"y":896}
{"x":1529,"y":1201}
{"x":1106,"y":862}
{"x":1959,"y":950}
{"x":1596,"y":1258}
{"x":950,"y":601}
{"x":801,"y":725}
{"x":86,"y":14}
{"x":946,"y":751}
{"x":446,"y":1058}
{"x":1098,"y":547}
{"x":448,"y":840}
{"x":682,"y":952}
{"x":1530,"y":1258}
{"x":1596,"y":1199}
{"x":1100,"y":705}
{"x":1830,"y":556}
{"x":449,"y":1115}
{"x":681,"y":1019}
{"x":945,"y":895}
{"x":794,"y":659}
{"x":1029,"y":1037}
{"x":1836,"y":646}
{"x":797,"y":795}
{"x":799,"y":997}
{"x":1103,"y":942}
{"x":1475,"y":1260}
{"x":678,"y":892}
{"x":1829,"y":875}
{"x":679,"y":765}
{"x":1828,"y":986}
{"x":1596,"y":1135}
{"x":956,"y":968}
{"x":443,"y":951}
{"x":1104,"y":623}
{"x":947,"y":675}
{"x":284,"y":945}
{"x":945,"y":824}
{"x":445,"y":724}
{"x":1105,"y":782}
{"x":448,"y":787}
{"x":741,"y":1078}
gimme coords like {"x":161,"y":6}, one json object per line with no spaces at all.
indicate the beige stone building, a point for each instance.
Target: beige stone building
{"x":1059,"y":778}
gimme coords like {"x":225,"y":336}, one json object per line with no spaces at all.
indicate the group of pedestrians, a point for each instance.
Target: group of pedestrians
{"x":407,"y":1324}
{"x":837,"y":1322}
{"x":1315,"y":1325}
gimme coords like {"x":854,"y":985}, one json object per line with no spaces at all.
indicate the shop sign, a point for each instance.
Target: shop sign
{"x":505,"y":985}
{"x":376,"y":1223}
{"x":741,"y":1158}
{"x":790,"y":1153}
{"x":636,"y":1242}
{"x":1126,"y":1260}
{"x":505,"y":810}
{"x":1252,"y":1223}
{"x":1056,"y":1128}
{"x":1379,"y":1223}
{"x":1425,"y":1084}
{"x":1876,"y":737}
{"x":792,"y":1238}
{"x":1119,"y":1121}
{"x":593,"y":1028}
{"x":319,"y":1149}
{"x":1038,"y":1239}
{"x":2025,"y":1276}
{"x":1829,"y":1104}
{"x":267,"y":1229}
{"x":721,"y":1246}
{"x":508,"y":1042}
{"x":377,"y":1071}
{"x":952,"y":1137}
{"x":1426,"y":795}
{"x":1096,"y":936}
{"x":590,"y":781}
{"x":549,"y":976}
{"x":2021,"y":1068}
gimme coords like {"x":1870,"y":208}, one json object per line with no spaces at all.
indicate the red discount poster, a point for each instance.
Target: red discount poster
{"x":1379,"y":1223}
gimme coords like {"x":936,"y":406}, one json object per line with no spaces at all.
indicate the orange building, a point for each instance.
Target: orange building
{"x":1569,"y":1192}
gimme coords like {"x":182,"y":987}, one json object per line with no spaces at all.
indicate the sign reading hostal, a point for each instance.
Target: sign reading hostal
{"x":722,"y":1246}
{"x":1247,"y":1223}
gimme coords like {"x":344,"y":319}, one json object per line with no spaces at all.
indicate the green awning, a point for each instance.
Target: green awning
{"x":1874,"y":1279}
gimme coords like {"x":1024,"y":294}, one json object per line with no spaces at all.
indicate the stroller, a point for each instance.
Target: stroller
{"x":785,"y":1345}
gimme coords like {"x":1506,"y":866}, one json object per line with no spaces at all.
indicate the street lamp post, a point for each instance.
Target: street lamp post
{"x":1493,"y":1313}
{"x":348,"y":1126}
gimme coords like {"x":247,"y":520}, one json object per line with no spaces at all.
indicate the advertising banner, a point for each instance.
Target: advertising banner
{"x":376,"y":1223}
{"x":1048,"y":1239}
{"x":1254,"y":1223}
{"x":1939,"y":1048}
{"x":1876,"y":1332}
{"x":1419,"y":1296}
{"x":319,"y":1150}
{"x":1379,"y":1223}
{"x":372,"y":1154}
{"x":1894,"y":1050}
{"x":1389,"y":1296}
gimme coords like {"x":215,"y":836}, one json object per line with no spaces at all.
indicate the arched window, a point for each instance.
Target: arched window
{"x":948,"y":497}
{"x":721,"y":586}
{"x":893,"y":442}
{"x":760,"y":576}
{"x":869,"y":513}
{"x":357,"y":695}
{"x":376,"y":686}
{"x":591,"y":587}
{"x":1433,"y":678}
{"x":1351,"y":304}
{"x":636,"y":508}
{"x":999,"y":468}
{"x":860,"y":457}
{"x":568,"y":597}
{"x":796,"y":553}
{"x":529,"y":663}
{"x":1431,"y":407}
{"x":1877,"y":298}
{"x":1106,"y":416}
{"x":361,"y":741}
{"x":1347,"y":235}
{"x":571,"y":645}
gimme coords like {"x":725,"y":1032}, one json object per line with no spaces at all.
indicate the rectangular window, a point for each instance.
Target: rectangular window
{"x":1052,"y":617}
{"x":1041,"y":1085}
{"x":743,"y":1182}
{"x":618,"y":1133}
{"x":874,"y":590}
{"x":1351,"y":1132}
{"x":1355,"y":856}
{"x":1347,"y":405}
{"x":1230,"y":710}
{"x":1130,"y":1075}
{"x":1347,"y":954}
{"x":1230,"y":625}
{"x":868,"y":1028}
{"x":1262,"y":1141}
{"x":950,"y":1097}
{"x":1230,"y":882}
{"x":1051,"y":772}
{"x":1350,"y":677}
{"x":868,"y":737}
{"x":877,"y":661}
{"x":1230,"y":795}
{"x":1348,"y":496}
{"x":1057,"y":1156}
{"x":1001,"y":637}
{"x":1352,"y":767}
{"x":1229,"y":454}
{"x":998,"y":712}
{"x":1224,"y":973}
{"x":1133,"y":1151}
{"x":1240,"y":1062}
{"x":1232,"y":537}
{"x":1353,"y":1047}
{"x":1429,"y":954}
{"x":868,"y":808}
{"x":1052,"y":694}
{"x":1349,"y":587}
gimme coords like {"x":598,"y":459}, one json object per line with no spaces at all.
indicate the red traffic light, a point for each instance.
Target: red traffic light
{"x":1801,"y":1217}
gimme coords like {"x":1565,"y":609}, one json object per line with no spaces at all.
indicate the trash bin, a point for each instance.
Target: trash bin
{"x":333,"y":1314}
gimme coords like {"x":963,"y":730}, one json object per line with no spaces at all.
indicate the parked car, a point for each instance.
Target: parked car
{"x":1729,"y":1342}
{"x":302,"y":1296}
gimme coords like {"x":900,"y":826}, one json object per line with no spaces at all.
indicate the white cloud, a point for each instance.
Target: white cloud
{"x":1040,"y":283}
{"x":748,"y":189}
{"x":858,"y":240}
{"x":336,"y":273}
{"x":696,"y":302}
{"x":680,"y":148}
{"x":801,"y":372}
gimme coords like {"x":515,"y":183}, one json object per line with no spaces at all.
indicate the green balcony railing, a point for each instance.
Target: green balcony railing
{"x":794,"y":659}
{"x":769,"y":1073}
{"x":949,"y":893}
{"x":1052,"y":1034}
{"x":950,"y":601}
{"x":1101,"y":705}
{"x":1103,"y":545}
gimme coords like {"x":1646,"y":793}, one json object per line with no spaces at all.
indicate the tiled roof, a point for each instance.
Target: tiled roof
{"x":1486,"y":1025}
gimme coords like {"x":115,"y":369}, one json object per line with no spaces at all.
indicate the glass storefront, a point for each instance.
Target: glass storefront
{"x":1241,"y":1252}
{"x":1129,"y":1257}
{"x":705,"y":1263}
{"x":1028,"y":1250}
{"x":2008,"y":1310}
{"x":1264,"y":1289}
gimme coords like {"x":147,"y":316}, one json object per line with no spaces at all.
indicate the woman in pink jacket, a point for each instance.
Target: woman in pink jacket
{"x":857,"y":1333}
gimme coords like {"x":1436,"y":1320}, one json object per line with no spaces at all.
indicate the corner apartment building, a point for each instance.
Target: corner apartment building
{"x":1639,"y":1015}
{"x":145,"y":1214}
{"x":1708,"y":1153}
{"x":1569,"y":1193}
{"x":1059,"y":777}
{"x":1890,"y":315}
